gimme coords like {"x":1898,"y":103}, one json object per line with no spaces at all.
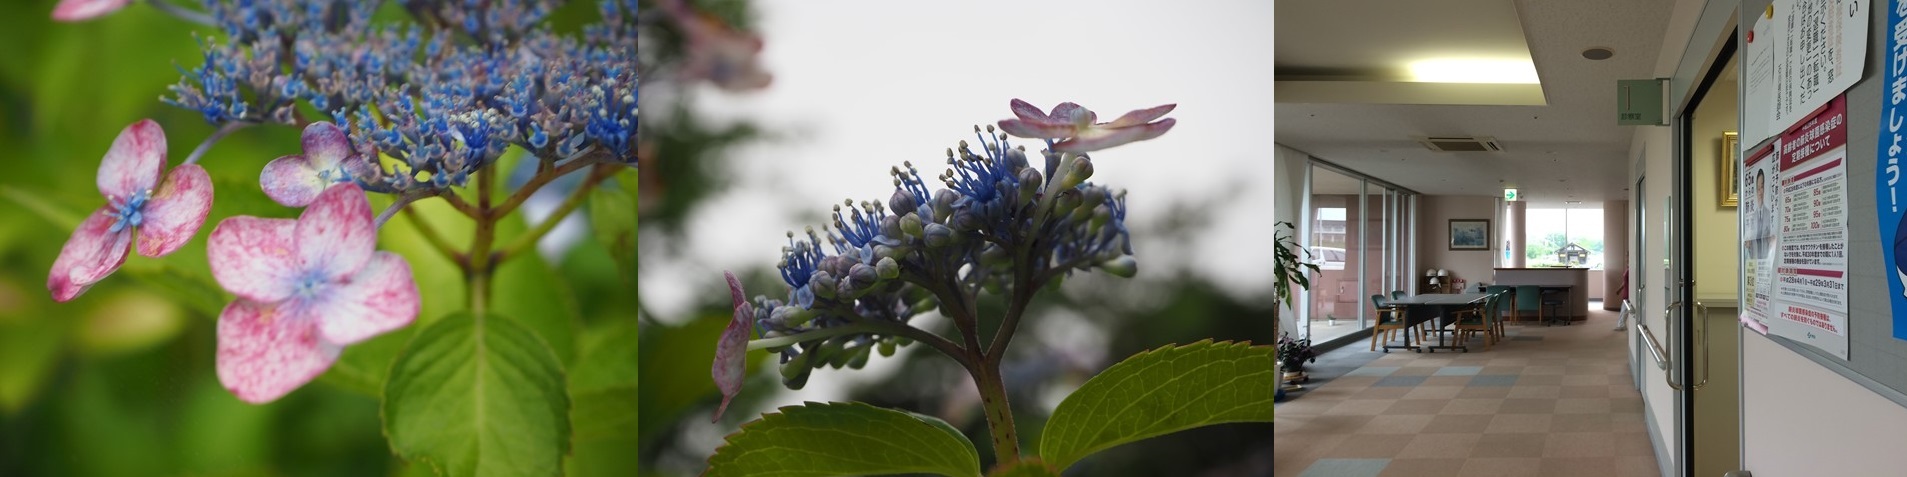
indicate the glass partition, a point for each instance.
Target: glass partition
{"x":1361,"y":233}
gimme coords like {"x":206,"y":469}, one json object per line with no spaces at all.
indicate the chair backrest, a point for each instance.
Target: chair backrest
{"x":1529,"y":297}
{"x":1380,"y":302}
{"x":1397,"y":294}
{"x":1501,"y":293}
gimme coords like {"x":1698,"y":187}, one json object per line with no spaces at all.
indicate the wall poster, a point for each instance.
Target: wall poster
{"x":1796,"y":250}
{"x":1800,"y":54}
{"x":1888,"y":196}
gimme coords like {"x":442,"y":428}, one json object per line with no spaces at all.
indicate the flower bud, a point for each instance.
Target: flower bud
{"x":993,"y":255}
{"x":1029,"y":183}
{"x":891,"y":226}
{"x":902,"y":202}
{"x":1124,"y":266}
{"x":937,"y":235}
{"x":1068,"y":200}
{"x":1082,"y":170}
{"x":888,"y":269}
{"x":822,"y":284}
{"x":964,"y":220}
{"x":790,"y":317}
{"x":859,"y":357}
{"x":1100,"y":216}
{"x":887,"y":348}
{"x":863,"y":276}
{"x":1015,"y":158}
{"x":910,"y":225}
{"x":922,"y":306}
{"x":943,"y":202}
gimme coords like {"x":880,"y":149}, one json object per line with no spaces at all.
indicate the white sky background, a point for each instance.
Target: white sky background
{"x":861,"y":85}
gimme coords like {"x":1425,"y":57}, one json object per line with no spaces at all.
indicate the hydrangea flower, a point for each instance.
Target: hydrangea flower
{"x":730,"y":365}
{"x":164,"y":214}
{"x":80,"y":10}
{"x":296,"y":180}
{"x":306,"y":289}
{"x":719,"y":53}
{"x":1075,"y":125}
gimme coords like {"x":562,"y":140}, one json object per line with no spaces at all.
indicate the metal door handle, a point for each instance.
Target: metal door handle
{"x":1702,"y":340}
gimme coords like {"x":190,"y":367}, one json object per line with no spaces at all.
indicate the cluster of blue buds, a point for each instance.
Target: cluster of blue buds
{"x":992,"y":222}
{"x":445,"y":96}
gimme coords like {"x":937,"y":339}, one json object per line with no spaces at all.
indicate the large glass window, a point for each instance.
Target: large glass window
{"x":1563,"y":237}
{"x":1357,"y":231}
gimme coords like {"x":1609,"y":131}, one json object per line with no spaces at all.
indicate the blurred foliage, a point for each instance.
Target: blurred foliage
{"x":121,"y":381}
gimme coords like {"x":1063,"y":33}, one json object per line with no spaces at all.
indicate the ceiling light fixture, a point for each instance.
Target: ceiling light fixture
{"x":1456,"y":70}
{"x":1599,"y":53}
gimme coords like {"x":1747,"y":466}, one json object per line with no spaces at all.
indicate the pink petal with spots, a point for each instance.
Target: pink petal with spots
{"x":731,"y":351}
{"x":1073,"y":114}
{"x":266,"y":351}
{"x":1026,"y":111}
{"x":176,"y":211}
{"x":1099,"y":138}
{"x":1036,"y":129}
{"x":1141,"y":116}
{"x":336,"y":234}
{"x":92,"y":253}
{"x":325,"y":144}
{"x":291,"y":181}
{"x":76,"y":10}
{"x":381,"y":297}
{"x":135,"y":162}
{"x":254,"y":258}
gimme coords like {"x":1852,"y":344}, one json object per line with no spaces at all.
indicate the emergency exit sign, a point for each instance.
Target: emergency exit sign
{"x":1639,"y":102}
{"x":1509,"y":195}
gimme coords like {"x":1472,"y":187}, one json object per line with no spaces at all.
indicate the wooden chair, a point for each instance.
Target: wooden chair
{"x":1389,"y":320}
{"x":1470,"y":322}
{"x":1505,"y":292}
{"x":1423,"y":329}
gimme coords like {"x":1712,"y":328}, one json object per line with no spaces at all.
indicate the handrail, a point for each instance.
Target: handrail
{"x":1703,"y":333}
{"x":1655,"y":347}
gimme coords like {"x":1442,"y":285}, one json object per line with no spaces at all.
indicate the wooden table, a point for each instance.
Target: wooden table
{"x":1425,"y":307}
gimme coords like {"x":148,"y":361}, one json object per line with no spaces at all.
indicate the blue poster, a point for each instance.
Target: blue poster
{"x":1888,"y":196}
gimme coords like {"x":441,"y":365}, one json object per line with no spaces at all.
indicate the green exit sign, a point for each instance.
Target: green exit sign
{"x":1639,"y":102}
{"x":1509,"y":195}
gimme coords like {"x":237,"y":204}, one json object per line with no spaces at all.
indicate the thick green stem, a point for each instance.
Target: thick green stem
{"x":993,"y":402}
{"x":480,"y":263}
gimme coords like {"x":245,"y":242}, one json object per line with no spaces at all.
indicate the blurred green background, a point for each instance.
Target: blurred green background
{"x":120,"y":382}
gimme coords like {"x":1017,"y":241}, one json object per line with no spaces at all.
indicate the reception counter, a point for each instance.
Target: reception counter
{"x":1577,"y":279}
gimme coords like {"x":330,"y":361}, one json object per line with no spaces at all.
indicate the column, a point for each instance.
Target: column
{"x":1615,"y":251}
{"x":1516,"y":234}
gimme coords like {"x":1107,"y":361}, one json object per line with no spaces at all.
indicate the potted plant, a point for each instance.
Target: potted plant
{"x":1288,"y":269}
{"x":1293,"y":353}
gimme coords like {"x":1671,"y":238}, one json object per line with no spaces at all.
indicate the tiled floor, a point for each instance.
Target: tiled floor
{"x":1550,"y":401}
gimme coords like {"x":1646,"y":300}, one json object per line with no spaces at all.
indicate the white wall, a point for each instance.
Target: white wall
{"x":1433,"y":236}
{"x":1799,"y":419}
{"x":1653,"y":146}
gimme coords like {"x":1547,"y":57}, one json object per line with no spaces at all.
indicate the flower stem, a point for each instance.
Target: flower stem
{"x":206,"y":145}
{"x":431,"y":235}
{"x":993,"y":402}
{"x":183,"y":13}
{"x":481,"y":263}
{"x":528,"y":239}
{"x":536,"y":183}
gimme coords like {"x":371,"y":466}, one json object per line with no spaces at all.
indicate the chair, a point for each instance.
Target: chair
{"x":1471,"y":321}
{"x":1551,"y":301}
{"x":1505,"y":291}
{"x":1528,"y":298}
{"x":1389,"y":320}
{"x":1423,"y":329}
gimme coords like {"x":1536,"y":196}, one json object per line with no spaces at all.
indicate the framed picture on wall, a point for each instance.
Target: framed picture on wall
{"x":1730,"y":180}
{"x":1469,"y":234}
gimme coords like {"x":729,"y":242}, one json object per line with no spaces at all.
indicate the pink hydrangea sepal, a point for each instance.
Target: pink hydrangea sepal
{"x":731,"y":351}
{"x":337,"y":233}
{"x":297,"y":180}
{"x":135,"y":163}
{"x":253,"y":257}
{"x":381,"y":297}
{"x":266,"y":351}
{"x":93,"y":252}
{"x":176,"y":211}
{"x":77,"y":10}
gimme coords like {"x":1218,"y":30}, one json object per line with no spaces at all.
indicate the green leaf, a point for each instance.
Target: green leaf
{"x":612,"y":216}
{"x":473,"y":396}
{"x":1028,"y":467}
{"x":829,"y":439}
{"x":1159,"y":392}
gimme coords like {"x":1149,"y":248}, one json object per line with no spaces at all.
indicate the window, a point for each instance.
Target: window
{"x":1550,"y":234}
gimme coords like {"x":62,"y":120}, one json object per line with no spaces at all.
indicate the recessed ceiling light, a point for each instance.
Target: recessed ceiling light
{"x":1465,"y":70}
{"x":1598,"y":53}
{"x":1572,"y":202}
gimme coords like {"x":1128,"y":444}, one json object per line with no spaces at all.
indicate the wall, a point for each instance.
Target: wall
{"x":1717,"y":237}
{"x":1653,"y":147}
{"x":1433,"y":236}
{"x":1615,"y":250}
{"x":1806,"y":420}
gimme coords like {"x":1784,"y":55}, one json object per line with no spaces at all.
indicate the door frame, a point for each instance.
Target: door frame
{"x":1681,"y":251}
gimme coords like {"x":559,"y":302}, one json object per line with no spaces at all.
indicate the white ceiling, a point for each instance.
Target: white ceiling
{"x":1569,"y":149}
